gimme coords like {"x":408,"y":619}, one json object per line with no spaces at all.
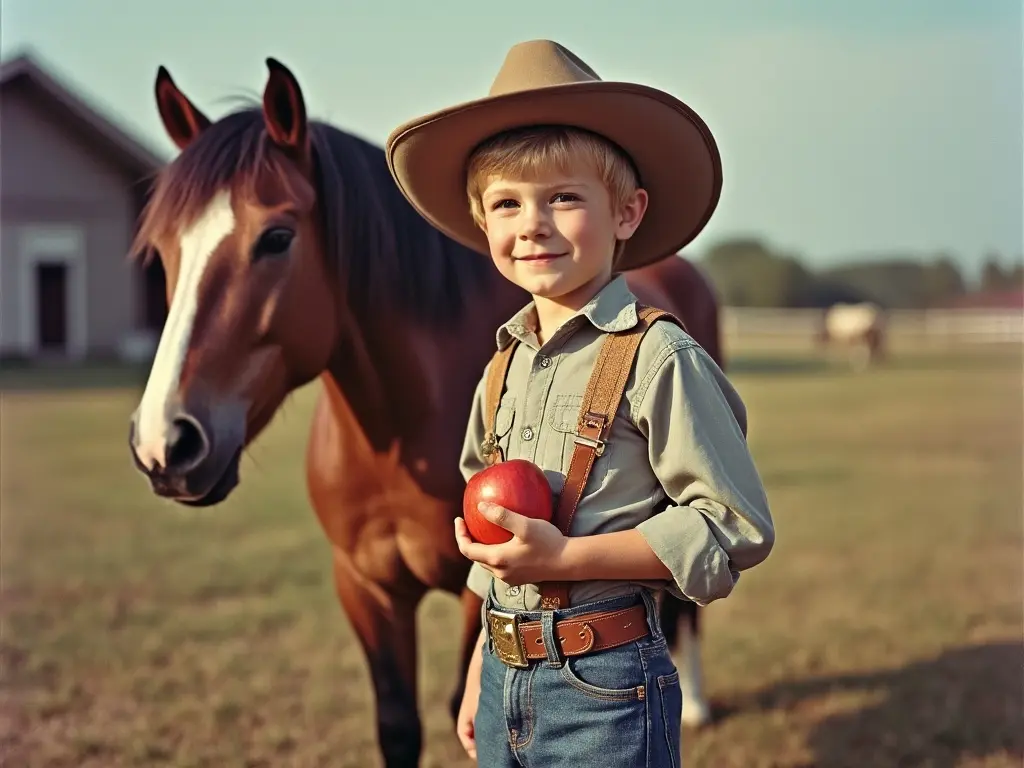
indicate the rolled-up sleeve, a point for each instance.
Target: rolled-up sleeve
{"x":719,"y":522}
{"x":472,"y":461}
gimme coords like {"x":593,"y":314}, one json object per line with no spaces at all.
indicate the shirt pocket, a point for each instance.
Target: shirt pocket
{"x":562,"y":420}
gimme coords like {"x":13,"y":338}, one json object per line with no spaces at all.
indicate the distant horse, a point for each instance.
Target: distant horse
{"x":860,"y":328}
{"x":290,"y":254}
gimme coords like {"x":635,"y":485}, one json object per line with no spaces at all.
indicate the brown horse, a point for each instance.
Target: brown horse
{"x":290,"y":254}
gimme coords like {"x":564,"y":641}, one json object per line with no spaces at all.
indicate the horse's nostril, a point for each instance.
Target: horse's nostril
{"x":187,"y":445}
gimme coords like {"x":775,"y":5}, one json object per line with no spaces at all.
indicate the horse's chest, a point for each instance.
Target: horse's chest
{"x":389,"y":537}
{"x":388,"y":512}
{"x":378,"y":515}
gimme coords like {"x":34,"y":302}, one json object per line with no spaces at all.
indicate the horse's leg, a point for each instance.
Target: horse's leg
{"x":386,"y":626}
{"x":471,"y":606}
{"x":680,"y":620}
{"x":876,"y":341}
{"x":669,"y":613}
{"x":860,"y":354}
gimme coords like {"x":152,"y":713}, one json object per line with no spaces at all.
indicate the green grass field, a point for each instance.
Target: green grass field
{"x":884,"y":630}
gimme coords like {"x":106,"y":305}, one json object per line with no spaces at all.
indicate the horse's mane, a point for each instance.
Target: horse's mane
{"x":384,"y":253}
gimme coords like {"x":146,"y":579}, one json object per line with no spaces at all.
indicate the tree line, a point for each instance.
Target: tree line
{"x":748,"y":273}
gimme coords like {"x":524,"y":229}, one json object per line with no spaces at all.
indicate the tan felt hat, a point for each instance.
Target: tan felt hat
{"x":544,"y":83}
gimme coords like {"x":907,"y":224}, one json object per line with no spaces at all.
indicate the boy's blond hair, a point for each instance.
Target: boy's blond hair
{"x":526,"y":152}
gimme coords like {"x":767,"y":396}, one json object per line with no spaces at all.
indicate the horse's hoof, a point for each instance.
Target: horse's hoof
{"x":696,"y":714}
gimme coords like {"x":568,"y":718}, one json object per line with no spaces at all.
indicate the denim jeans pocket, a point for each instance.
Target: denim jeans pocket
{"x":592,"y":710}
{"x":614,"y":675}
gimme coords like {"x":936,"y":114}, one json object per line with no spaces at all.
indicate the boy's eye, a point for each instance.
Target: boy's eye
{"x":564,"y":197}
{"x":503,"y":204}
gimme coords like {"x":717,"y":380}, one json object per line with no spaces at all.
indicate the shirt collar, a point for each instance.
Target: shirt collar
{"x":611,"y":310}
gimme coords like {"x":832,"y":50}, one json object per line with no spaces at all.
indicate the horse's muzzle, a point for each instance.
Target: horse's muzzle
{"x":196,"y":471}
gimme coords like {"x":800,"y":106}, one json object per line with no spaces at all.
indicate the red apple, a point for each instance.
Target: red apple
{"x":517,"y":485}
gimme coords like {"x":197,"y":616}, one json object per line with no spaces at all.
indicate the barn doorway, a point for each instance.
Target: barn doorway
{"x":52,"y":307}
{"x":52,"y":314}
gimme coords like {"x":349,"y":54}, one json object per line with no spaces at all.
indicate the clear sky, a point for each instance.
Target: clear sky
{"x":847,"y":127}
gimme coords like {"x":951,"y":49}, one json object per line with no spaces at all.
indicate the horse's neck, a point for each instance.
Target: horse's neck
{"x":360,"y":381}
{"x":392,"y":373}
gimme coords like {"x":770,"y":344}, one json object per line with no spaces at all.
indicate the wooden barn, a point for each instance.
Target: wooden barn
{"x":71,"y":187}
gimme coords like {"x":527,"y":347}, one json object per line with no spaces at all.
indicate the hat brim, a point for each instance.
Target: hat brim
{"x":672,"y":147}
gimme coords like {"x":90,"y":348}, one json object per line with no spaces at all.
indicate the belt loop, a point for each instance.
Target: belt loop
{"x":653,"y":614}
{"x":551,"y":645}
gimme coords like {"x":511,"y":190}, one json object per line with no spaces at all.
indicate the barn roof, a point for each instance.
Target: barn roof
{"x":138,"y":158}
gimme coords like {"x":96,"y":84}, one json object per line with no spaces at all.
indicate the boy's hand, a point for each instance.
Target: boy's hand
{"x":534,"y":554}
{"x":465,"y":726}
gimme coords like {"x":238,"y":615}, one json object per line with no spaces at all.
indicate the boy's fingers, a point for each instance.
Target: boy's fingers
{"x":466,"y":737}
{"x":492,"y":555}
{"x":506,"y":518}
{"x":467,"y":546}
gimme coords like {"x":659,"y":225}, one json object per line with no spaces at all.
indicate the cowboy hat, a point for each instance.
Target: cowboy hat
{"x":544,"y":83}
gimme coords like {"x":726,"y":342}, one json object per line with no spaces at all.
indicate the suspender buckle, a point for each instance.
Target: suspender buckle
{"x":589,"y":431}
{"x":597,"y":445}
{"x":490,"y":449}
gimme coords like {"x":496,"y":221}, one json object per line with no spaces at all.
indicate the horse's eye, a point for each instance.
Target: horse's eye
{"x":273,"y":242}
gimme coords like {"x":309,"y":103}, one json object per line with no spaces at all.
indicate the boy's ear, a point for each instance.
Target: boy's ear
{"x":631,"y":214}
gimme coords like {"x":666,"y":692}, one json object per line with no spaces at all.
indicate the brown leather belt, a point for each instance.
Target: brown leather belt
{"x":516,"y":642}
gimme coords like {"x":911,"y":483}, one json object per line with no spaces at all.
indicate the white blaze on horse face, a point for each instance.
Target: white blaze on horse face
{"x":198,"y":243}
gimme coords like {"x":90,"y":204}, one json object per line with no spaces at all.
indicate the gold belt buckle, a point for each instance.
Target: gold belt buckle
{"x":508,"y":644}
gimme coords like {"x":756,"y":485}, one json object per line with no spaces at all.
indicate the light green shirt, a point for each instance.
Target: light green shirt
{"x":677,"y":445}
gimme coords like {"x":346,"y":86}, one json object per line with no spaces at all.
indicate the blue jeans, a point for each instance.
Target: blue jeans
{"x":619,"y":708}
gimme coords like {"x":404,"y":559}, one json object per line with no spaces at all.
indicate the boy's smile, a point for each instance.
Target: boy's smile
{"x":554,"y":235}
{"x":541,"y":259}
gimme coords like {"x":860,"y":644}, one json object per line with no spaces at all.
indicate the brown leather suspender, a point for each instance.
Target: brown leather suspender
{"x":605,"y":389}
{"x":492,"y":399}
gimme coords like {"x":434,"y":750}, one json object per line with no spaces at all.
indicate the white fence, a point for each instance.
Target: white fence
{"x":933,"y":327}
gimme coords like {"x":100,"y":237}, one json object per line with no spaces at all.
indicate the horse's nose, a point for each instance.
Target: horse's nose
{"x":177,"y":449}
{"x":187,"y":445}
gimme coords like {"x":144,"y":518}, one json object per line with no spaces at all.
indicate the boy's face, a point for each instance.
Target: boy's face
{"x":555,"y":235}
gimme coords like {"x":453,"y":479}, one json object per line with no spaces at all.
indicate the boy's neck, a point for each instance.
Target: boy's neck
{"x":553,"y":312}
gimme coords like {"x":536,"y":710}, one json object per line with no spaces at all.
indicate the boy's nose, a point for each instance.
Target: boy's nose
{"x":534,"y":226}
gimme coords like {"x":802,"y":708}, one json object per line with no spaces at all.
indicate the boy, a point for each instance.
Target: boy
{"x":569,"y":179}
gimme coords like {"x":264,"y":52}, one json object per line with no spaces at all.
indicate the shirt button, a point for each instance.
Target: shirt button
{"x":545,"y":361}
{"x":527,"y":433}
{"x":512,"y":591}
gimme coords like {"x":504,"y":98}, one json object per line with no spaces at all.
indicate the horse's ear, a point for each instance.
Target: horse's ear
{"x":182,"y":120}
{"x":284,"y":110}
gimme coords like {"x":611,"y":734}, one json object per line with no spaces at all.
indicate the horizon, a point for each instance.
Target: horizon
{"x":848,"y":134}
